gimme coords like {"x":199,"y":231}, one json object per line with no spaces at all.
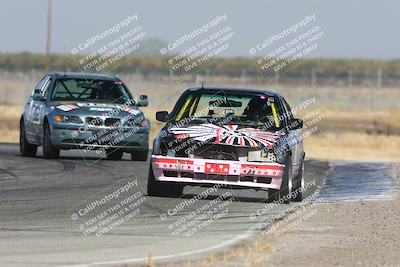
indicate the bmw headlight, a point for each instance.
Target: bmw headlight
{"x":137,"y":123}
{"x":67,"y":119}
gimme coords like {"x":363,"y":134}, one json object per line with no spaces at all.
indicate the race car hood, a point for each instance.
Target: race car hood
{"x":230,"y":135}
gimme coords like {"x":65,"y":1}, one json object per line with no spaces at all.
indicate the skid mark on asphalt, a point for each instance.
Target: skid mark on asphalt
{"x":359,"y":181}
{"x":6,"y":175}
{"x":67,"y":166}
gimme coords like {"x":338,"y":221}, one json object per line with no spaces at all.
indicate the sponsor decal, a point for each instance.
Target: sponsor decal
{"x":101,"y":109}
{"x":212,"y":168}
{"x":131,"y":110}
{"x":67,"y":107}
{"x":228,"y":134}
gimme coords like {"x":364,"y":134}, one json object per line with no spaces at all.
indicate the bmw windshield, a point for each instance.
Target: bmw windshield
{"x":90,"y":90}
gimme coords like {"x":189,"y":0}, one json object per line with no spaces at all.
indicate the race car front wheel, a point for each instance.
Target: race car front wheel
{"x":298,"y":185}
{"x":49,"y":151}
{"x":283,"y":195}
{"x":26,"y":149}
{"x":162,"y":189}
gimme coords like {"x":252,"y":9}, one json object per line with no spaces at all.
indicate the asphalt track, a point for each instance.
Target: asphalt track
{"x":43,"y":220}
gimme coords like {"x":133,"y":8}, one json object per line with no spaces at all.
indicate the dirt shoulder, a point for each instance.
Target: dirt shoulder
{"x":362,"y":233}
{"x":346,"y":234}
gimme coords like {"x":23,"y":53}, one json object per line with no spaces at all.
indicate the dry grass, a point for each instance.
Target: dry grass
{"x":9,"y":128}
{"x":385,"y":118}
{"x":337,"y":141}
{"x":353,"y":146}
{"x":346,"y":132}
{"x":248,"y":254}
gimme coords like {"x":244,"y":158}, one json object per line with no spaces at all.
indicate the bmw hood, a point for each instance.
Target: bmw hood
{"x":97,"y":109}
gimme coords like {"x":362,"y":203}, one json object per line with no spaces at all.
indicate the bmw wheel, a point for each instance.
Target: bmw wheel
{"x":26,"y":149}
{"x":49,"y":151}
{"x":114,"y":154}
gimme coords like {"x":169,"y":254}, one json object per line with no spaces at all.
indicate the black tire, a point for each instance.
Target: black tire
{"x":26,"y":149}
{"x":284,"y":194}
{"x":140,"y":155}
{"x":162,"y":189}
{"x":49,"y":151}
{"x":298,"y":185}
{"x":114,"y":154}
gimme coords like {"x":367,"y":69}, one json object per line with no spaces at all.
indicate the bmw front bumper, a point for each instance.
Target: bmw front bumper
{"x":92,"y":139}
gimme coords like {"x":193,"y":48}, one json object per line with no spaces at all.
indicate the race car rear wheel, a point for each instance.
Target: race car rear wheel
{"x":140,"y":155}
{"x":49,"y":151}
{"x":298,"y":185}
{"x":26,"y":149}
{"x":283,"y":195}
{"x":114,"y":154}
{"x":162,"y":189}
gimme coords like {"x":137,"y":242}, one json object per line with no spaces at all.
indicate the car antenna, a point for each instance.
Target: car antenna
{"x":202,"y":85}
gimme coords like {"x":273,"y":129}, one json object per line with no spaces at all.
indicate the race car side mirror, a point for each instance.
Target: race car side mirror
{"x":295,"y":124}
{"x":162,"y":116}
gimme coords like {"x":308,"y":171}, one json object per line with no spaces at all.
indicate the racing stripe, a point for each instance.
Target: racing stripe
{"x":241,"y":141}
{"x":230,"y":140}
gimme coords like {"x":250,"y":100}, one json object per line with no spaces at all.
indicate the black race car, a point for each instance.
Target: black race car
{"x":232,"y":137}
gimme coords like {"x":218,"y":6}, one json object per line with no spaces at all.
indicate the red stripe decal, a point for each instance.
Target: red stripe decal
{"x":217,"y":140}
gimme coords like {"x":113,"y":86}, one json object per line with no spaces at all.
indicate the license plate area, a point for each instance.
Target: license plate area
{"x":215,"y":168}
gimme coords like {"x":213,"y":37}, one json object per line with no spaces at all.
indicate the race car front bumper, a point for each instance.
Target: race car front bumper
{"x":225,"y":172}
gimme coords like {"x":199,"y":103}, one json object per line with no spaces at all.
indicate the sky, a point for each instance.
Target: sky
{"x":352,"y":29}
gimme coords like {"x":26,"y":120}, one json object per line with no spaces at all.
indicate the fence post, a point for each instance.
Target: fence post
{"x":26,"y":86}
{"x":198,"y":78}
{"x":171,"y":76}
{"x":379,"y":78}
{"x":350,"y":79}
{"x":243,"y":76}
{"x":313,"y":77}
{"x":276,"y":79}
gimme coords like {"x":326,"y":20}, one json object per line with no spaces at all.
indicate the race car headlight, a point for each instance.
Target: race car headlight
{"x":156,"y":147}
{"x":67,"y":119}
{"x":280,"y":153}
{"x":261,"y":156}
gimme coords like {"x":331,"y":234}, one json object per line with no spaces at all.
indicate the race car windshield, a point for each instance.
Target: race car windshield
{"x":90,"y":90}
{"x":238,"y":108}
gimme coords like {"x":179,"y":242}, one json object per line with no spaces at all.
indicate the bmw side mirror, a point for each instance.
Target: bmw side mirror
{"x":143,"y":101}
{"x":295,"y":124}
{"x":37,"y":96}
{"x":162,"y":116}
